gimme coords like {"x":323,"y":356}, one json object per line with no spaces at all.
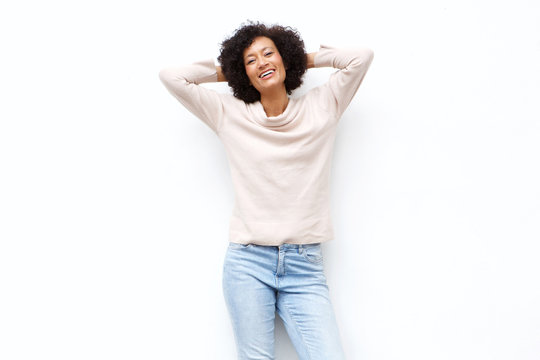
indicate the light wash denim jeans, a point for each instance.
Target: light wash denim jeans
{"x":260,"y":280}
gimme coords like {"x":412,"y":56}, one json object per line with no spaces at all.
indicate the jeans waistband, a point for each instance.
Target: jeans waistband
{"x":297,"y":246}
{"x":282,"y":246}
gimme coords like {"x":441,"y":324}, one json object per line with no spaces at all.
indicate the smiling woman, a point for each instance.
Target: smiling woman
{"x":266,"y":73}
{"x":263,"y":61}
{"x":284,"y":40}
{"x":279,"y":152}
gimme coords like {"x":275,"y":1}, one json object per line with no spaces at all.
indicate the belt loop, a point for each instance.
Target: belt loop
{"x":300,"y":249}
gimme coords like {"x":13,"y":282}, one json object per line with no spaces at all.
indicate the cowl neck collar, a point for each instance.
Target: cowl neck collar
{"x":274,"y":121}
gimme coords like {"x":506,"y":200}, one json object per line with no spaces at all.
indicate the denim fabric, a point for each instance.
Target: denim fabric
{"x":289,"y":279}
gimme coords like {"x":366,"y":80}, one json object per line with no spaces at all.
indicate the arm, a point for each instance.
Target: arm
{"x":311,"y":60}
{"x":220,"y":76}
{"x":351,"y":64}
{"x":184,"y":84}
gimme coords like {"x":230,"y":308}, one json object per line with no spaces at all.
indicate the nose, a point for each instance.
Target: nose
{"x":262,"y":63}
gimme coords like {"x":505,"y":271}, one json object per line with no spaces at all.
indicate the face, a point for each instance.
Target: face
{"x":264,"y":66}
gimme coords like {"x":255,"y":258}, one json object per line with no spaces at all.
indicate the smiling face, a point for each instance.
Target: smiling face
{"x":264,"y":65}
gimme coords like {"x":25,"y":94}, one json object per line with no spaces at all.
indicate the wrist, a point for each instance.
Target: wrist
{"x":311,"y":60}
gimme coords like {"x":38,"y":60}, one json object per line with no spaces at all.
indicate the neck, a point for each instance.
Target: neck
{"x":275,"y":103}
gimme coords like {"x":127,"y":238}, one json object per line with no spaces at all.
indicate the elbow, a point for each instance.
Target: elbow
{"x":173,"y":77}
{"x":370,"y":54}
{"x":359,"y":57}
{"x":362,"y":58}
{"x":165,"y":76}
{"x":365,"y":55}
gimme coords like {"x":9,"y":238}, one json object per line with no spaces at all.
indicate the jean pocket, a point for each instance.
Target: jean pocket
{"x":312,"y":253}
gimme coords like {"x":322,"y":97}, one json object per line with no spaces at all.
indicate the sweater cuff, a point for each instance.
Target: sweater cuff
{"x":324,"y":57}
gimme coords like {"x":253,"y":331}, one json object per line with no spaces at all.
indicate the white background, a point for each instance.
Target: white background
{"x":115,"y":201}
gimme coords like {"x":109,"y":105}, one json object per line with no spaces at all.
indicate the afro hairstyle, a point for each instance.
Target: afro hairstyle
{"x":289,"y":44}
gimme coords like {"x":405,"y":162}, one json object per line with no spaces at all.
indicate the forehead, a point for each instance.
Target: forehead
{"x":259,"y":44}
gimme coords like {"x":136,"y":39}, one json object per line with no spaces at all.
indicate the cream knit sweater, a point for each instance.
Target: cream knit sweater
{"x":280,"y":166}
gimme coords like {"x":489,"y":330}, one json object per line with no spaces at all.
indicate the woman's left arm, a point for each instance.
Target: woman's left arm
{"x":352,"y":65}
{"x":311,"y":60}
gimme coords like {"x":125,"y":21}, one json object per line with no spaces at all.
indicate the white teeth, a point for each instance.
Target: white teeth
{"x":266,"y":73}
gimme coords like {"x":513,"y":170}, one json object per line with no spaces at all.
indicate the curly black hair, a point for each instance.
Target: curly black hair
{"x":289,"y":44}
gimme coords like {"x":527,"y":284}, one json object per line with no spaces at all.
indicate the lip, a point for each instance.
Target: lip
{"x":274,"y":71}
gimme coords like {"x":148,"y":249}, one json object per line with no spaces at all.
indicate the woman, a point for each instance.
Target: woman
{"x":279,"y":151}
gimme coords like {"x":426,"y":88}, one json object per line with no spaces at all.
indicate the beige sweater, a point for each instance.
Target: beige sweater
{"x":280,"y":166}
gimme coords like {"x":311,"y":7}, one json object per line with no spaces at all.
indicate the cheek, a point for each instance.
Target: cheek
{"x":283,"y":66}
{"x":249,"y":73}
{"x":284,"y":69}
{"x":280,"y":60}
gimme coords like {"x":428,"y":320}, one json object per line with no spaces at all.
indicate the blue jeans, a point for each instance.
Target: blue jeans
{"x":258,"y":280}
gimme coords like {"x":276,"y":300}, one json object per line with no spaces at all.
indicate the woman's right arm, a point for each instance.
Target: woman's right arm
{"x":220,"y":76}
{"x":184,"y":83}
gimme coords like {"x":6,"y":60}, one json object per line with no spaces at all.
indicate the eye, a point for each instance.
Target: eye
{"x":268,"y":53}
{"x":250,"y":61}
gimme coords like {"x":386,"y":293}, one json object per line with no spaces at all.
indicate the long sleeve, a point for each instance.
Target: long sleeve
{"x":352,"y":65}
{"x":184,"y":84}
{"x":280,"y":165}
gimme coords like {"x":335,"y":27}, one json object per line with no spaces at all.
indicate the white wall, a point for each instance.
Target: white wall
{"x":114,"y":200}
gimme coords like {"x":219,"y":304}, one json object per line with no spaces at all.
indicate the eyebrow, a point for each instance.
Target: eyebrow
{"x":264,"y":48}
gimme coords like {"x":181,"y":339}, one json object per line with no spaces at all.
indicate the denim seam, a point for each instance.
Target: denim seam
{"x":291,"y":314}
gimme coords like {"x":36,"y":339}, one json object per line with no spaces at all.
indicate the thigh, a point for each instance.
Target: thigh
{"x":303,"y":303}
{"x":251,"y":303}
